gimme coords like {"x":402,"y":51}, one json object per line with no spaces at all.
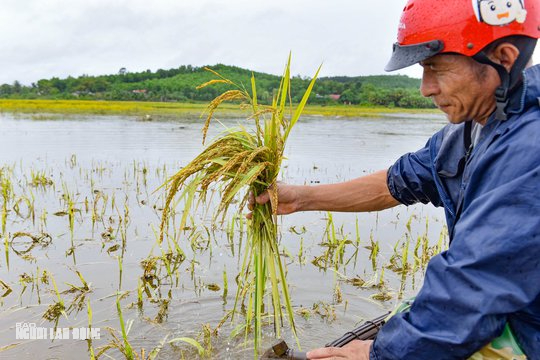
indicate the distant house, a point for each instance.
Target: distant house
{"x":334,"y":96}
{"x":81,"y":93}
{"x":141,"y":91}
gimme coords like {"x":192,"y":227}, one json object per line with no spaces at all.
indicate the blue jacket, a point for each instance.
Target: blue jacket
{"x":490,"y":274}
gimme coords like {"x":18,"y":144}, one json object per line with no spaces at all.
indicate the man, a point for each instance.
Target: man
{"x":483,"y":168}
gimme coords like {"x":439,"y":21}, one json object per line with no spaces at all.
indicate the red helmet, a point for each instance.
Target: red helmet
{"x":430,"y":27}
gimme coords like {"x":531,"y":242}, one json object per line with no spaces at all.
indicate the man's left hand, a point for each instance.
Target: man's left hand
{"x":356,"y":349}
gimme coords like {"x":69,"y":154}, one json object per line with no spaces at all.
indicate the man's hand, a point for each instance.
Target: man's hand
{"x":289,"y":199}
{"x":367,"y":193}
{"x":356,"y":349}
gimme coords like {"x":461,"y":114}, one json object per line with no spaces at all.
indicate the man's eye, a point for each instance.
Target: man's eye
{"x":493,"y":7}
{"x":509,"y":4}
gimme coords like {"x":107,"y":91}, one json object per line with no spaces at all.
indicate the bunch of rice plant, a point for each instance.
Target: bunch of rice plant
{"x":243,"y":161}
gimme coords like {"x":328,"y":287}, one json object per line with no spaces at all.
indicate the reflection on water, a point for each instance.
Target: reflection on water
{"x":89,"y":182}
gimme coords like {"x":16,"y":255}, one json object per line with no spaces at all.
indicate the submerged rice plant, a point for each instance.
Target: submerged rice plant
{"x":241,"y":161}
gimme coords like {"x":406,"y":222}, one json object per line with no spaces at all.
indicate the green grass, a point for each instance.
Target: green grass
{"x":173,"y":109}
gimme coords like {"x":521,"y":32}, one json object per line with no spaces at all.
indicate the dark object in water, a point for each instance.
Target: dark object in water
{"x":281,"y":351}
{"x":367,"y":331}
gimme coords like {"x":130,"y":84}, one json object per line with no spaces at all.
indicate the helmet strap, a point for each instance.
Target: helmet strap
{"x":501,"y":93}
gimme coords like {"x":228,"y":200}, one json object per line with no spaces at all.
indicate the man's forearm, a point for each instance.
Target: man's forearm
{"x":367,"y":193}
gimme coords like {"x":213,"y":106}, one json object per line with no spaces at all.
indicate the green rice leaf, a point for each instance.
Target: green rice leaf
{"x":191,"y":342}
{"x":302,"y":104}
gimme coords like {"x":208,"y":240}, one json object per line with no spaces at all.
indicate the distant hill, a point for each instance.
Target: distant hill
{"x":383,"y":81}
{"x":180,"y":84}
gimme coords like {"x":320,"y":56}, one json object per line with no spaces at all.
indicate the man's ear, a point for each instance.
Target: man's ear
{"x":505,"y":54}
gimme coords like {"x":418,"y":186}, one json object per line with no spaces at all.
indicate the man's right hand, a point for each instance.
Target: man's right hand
{"x":366,"y":193}
{"x":289,"y":199}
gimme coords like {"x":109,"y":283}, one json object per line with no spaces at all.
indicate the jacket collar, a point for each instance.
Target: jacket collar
{"x":528,"y":93}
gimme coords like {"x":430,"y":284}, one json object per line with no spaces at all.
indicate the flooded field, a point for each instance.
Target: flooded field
{"x":81,"y":207}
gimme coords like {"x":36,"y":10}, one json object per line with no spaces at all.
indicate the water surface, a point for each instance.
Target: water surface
{"x":114,"y":165}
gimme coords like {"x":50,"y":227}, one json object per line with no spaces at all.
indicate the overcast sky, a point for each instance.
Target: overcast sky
{"x":47,"y":38}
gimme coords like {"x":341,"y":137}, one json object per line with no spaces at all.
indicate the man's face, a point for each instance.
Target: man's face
{"x":460,"y":87}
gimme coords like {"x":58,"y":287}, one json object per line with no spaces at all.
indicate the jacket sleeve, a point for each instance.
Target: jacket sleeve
{"x":410,"y":179}
{"x":491,"y":270}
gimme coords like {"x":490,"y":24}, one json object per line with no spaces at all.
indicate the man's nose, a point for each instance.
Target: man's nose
{"x":429,"y":86}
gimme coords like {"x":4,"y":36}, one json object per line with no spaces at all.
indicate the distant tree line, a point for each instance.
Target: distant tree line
{"x":180,"y":85}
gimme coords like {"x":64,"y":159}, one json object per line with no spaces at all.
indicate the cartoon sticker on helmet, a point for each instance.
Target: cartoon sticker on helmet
{"x":500,"y":12}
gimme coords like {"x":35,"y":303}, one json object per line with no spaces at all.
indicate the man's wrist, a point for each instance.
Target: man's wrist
{"x":304,"y":201}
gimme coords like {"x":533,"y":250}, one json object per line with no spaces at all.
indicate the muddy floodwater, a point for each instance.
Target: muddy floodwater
{"x":81,"y":207}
